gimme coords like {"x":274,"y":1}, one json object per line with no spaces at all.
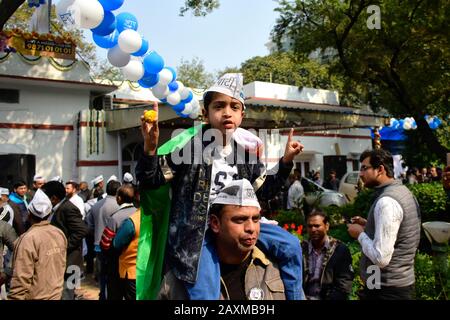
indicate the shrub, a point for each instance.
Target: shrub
{"x":288,"y":217}
{"x":432,"y":200}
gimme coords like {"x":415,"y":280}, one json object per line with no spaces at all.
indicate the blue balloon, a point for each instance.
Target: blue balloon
{"x":111,"y":5}
{"x":179,"y":107}
{"x":437,"y":121}
{"x":107,"y":26}
{"x":148,"y":80}
{"x":400,"y":124}
{"x":164,"y":100}
{"x":189,"y":98}
{"x":173,"y":86}
{"x":126,"y":21}
{"x":143,"y":50}
{"x":395,"y":124}
{"x":174,"y":73}
{"x":106,"y":42}
{"x":153,"y":63}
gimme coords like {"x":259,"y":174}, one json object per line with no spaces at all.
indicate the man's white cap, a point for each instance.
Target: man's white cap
{"x":238,"y":193}
{"x":112,"y":178}
{"x":97,"y":180}
{"x":40,"y":206}
{"x":230,"y":84}
{"x":57,"y":178}
{"x":38,"y":178}
{"x":4,"y":191}
{"x":127,"y":177}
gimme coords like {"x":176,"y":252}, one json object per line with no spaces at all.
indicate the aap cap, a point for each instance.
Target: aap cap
{"x":38,"y":178}
{"x":230,"y":84}
{"x":4,"y":191}
{"x":40,"y":206}
{"x":238,"y":193}
{"x":112,"y":178}
{"x":127,"y":177}
{"x":97,"y":180}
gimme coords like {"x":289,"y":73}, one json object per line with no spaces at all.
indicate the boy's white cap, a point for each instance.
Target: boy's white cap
{"x":127,"y":177}
{"x":40,"y":206}
{"x":97,"y":180}
{"x":4,"y":191}
{"x":238,"y":193}
{"x":38,"y":178}
{"x":230,"y":84}
{"x":112,"y":178}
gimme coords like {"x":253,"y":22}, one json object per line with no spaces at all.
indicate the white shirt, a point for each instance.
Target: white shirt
{"x":388,"y":216}
{"x":222,"y":173}
{"x":295,"y":194}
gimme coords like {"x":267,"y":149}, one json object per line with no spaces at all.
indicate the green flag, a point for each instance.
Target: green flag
{"x":155,"y":209}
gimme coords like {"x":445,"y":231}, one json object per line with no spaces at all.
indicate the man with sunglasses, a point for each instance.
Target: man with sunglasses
{"x":390,"y":236}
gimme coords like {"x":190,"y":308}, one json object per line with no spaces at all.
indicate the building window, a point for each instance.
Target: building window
{"x":9,"y":96}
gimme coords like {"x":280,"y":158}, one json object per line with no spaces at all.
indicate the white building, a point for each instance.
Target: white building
{"x":47,"y":116}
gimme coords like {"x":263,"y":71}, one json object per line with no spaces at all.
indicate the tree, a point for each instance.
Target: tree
{"x":192,"y":74}
{"x":400,"y":57}
{"x":7,"y":9}
{"x":199,"y":7}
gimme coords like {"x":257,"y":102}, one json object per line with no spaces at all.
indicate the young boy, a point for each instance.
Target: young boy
{"x":195,"y":184}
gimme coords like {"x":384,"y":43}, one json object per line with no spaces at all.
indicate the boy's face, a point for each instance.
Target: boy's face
{"x":224,"y":113}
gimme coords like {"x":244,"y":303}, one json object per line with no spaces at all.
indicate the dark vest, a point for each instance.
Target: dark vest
{"x":400,"y":270}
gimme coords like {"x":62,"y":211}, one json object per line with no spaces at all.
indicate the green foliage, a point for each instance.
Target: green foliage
{"x":288,"y":217}
{"x":340,"y":232}
{"x":403,"y":66}
{"x":199,"y":8}
{"x":431,"y":198}
{"x":193,"y":74}
{"x":425,"y":271}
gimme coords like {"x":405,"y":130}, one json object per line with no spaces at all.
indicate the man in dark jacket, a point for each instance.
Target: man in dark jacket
{"x":67,"y":217}
{"x":328,"y":272}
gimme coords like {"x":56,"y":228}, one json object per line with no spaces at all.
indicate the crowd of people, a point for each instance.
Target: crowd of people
{"x":219,"y":246}
{"x":57,"y":233}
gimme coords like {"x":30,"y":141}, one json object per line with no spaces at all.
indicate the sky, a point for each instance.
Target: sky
{"x":236,"y":31}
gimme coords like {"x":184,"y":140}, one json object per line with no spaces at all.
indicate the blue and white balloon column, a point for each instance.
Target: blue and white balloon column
{"x":128,"y":50}
{"x":410,"y":124}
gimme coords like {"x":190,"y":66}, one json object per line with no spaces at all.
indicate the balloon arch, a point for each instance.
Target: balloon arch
{"x":127,"y":49}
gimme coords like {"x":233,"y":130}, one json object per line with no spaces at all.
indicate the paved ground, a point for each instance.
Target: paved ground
{"x":89,"y":289}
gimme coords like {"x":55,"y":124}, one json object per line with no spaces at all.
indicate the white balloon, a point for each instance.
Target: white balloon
{"x":133,"y":71}
{"x":160,"y":91}
{"x":117,"y":57}
{"x":130,"y":41}
{"x":173,"y":98}
{"x":165,"y":77}
{"x":187,"y":109}
{"x":407,"y":125}
{"x":88,"y":13}
{"x":184,"y":93}
{"x":64,"y":14}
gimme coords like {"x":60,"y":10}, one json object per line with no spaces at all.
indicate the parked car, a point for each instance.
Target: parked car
{"x":349,"y":185}
{"x":316,"y":194}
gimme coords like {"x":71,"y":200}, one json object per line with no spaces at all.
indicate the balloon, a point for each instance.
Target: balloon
{"x":174,"y":73}
{"x":184,"y":93}
{"x":106,"y":42}
{"x":179,"y":107}
{"x":173,"y":98}
{"x":437,"y":121}
{"x":187,"y":109}
{"x":117,"y":57}
{"x":165,"y":76}
{"x":133,"y":71}
{"x":189,"y":98}
{"x":173,"y":86}
{"x":129,"y":41}
{"x":107,"y":26}
{"x":428,"y":118}
{"x":111,"y":4}
{"x":160,"y":91}
{"x":88,"y":14}
{"x":149,"y":80}
{"x":180,"y":86}
{"x":407,"y":125}
{"x":153,"y":62}
{"x":126,"y":21}
{"x":64,"y":14}
{"x":143,"y":50}
{"x":414,"y":125}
